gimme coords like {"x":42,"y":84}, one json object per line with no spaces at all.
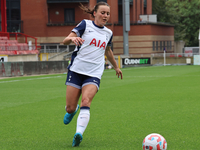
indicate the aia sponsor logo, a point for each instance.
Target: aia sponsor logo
{"x":98,"y":43}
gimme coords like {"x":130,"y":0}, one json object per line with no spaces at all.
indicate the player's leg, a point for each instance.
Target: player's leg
{"x":88,"y":93}
{"x":73,"y":93}
{"x":72,"y":97}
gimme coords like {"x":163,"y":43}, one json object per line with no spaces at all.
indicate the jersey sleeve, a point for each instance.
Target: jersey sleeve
{"x":110,"y":41}
{"x":80,"y":28}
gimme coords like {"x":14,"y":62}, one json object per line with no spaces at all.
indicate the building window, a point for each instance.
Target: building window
{"x":161,"y":48}
{"x":120,"y":18}
{"x":14,"y":23}
{"x":161,"y":45}
{"x":156,"y":45}
{"x":102,"y":1}
{"x":69,"y":15}
{"x":169,"y":45}
{"x":153,"y":45}
{"x":13,"y":10}
{"x":164,"y":45}
{"x":145,"y":3}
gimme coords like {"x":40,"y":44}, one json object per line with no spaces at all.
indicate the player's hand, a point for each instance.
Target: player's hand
{"x":119,"y":73}
{"x":77,"y":41}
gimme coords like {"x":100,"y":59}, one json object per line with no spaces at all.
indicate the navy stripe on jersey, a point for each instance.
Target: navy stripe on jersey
{"x":80,"y":28}
{"x":74,"y":54}
{"x":97,"y":25}
{"x":110,"y":42}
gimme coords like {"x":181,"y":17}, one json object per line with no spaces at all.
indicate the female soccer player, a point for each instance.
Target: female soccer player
{"x":93,"y":41}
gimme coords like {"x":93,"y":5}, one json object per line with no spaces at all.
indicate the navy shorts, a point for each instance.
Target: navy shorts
{"x":79,"y":80}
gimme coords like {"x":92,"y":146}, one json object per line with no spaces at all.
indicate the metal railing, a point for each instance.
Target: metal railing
{"x":174,"y":54}
{"x":17,"y":35}
{"x":60,"y":53}
{"x":56,"y":48}
{"x":67,"y":55}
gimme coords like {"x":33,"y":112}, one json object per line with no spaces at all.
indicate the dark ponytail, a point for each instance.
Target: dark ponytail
{"x":91,"y":11}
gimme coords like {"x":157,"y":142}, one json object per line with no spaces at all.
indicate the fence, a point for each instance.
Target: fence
{"x":55,"y":48}
{"x":11,"y":69}
{"x":134,"y":60}
{"x":172,"y":58}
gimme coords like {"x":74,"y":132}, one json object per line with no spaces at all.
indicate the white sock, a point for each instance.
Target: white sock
{"x":83,"y":120}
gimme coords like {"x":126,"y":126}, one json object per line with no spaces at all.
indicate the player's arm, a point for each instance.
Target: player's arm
{"x":75,"y":35}
{"x":110,"y":56}
{"x":72,"y":37}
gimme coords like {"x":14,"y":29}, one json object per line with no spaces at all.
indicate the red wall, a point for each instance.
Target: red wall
{"x":35,"y":15}
{"x":79,"y":14}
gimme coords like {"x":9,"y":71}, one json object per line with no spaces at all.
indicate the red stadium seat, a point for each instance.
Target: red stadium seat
{"x":3,"y":47}
{"x":8,"y":47}
{"x":13,"y":46}
{"x":13,"y":41}
{"x":4,"y":38}
{"x":8,"y":41}
{"x":25,"y":46}
{"x":2,"y":42}
{"x":20,"y":46}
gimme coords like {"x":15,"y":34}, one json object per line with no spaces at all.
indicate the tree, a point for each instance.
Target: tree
{"x":184,"y":14}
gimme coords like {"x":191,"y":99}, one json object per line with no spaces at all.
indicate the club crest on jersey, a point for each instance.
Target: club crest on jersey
{"x":98,"y":43}
{"x":106,"y":37}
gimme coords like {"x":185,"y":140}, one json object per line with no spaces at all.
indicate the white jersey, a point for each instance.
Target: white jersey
{"x":88,"y":59}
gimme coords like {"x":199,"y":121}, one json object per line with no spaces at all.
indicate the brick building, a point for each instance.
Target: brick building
{"x":52,"y":20}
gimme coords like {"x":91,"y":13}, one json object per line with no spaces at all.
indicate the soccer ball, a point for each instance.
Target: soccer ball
{"x":154,"y":141}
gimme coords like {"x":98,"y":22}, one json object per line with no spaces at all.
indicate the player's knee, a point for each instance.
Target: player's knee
{"x":85,"y":101}
{"x":70,"y":109}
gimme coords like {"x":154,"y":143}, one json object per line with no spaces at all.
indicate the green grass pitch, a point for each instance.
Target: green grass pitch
{"x":162,"y":99}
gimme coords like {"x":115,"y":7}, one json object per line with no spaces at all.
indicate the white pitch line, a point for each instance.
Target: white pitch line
{"x":30,"y":79}
{"x":9,"y":81}
{"x":140,"y":76}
